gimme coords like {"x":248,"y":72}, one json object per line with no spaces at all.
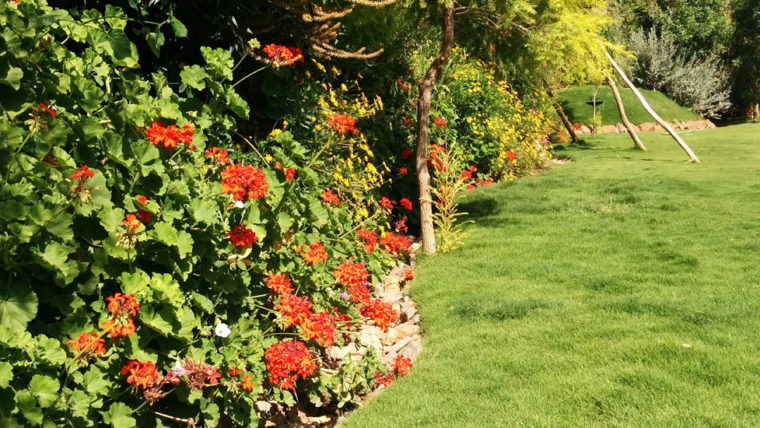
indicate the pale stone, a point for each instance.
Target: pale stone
{"x":412,"y":350}
{"x":711,"y":125}
{"x":408,"y":313}
{"x":389,"y":338}
{"x":414,"y":247}
{"x":400,"y":345}
{"x":393,"y":297}
{"x":398,"y":271}
{"x":647,"y":127}
{"x":337,"y":353}
{"x":262,"y":406}
{"x":390,"y":281}
{"x":585,"y":129}
{"x":621,"y":128}
{"x":609,"y":129}
{"x":407,"y":330}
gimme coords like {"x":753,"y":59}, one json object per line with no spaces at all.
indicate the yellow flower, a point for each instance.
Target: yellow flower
{"x":268,"y":158}
{"x":275,"y":133}
{"x":364,"y":212}
{"x":343,"y":87}
{"x":318,"y":127}
{"x":285,"y":124}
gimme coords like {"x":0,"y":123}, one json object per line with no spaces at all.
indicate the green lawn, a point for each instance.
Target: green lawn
{"x":619,"y":290}
{"x":574,"y":101}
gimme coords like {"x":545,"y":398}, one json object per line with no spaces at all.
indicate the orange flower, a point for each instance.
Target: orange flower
{"x":394,"y":244}
{"x":381,"y":312}
{"x":287,"y":361}
{"x":131,"y":222}
{"x":294,"y":310}
{"x":241,"y":236}
{"x":330,"y":197}
{"x":440,"y":122}
{"x":279,"y":283}
{"x":360,"y":293}
{"x":406,"y":204}
{"x":351,"y":273}
{"x":247,"y":383}
{"x":290,"y":174}
{"x":90,"y":346}
{"x":401,"y":365}
{"x":142,"y":214}
{"x":320,"y":327}
{"x":315,"y":254}
{"x":282,"y":55}
{"x":369,"y":238}
{"x":384,"y":380}
{"x":171,"y":135}
{"x":386,"y":203}
{"x":244,"y":182}
{"x":343,"y":124}
{"x":218,"y":155}
{"x":408,"y":274}
{"x":139,"y":374}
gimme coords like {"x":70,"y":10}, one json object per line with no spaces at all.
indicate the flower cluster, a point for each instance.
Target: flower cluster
{"x":343,"y":123}
{"x":408,"y":274}
{"x":197,"y":374}
{"x":369,"y":238}
{"x":440,"y":122}
{"x":281,"y":55}
{"x":244,"y":182}
{"x":329,"y":197}
{"x":287,"y":361}
{"x":320,"y":327}
{"x":381,"y":312}
{"x":401,"y":365}
{"x":218,"y":155}
{"x":359,"y":293}
{"x":279,"y":283}
{"x":315,"y":254}
{"x":351,"y":273}
{"x":245,"y":383}
{"x":140,"y":375}
{"x":123,"y":308}
{"x":386,"y":203}
{"x":241,"y":236}
{"x":294,"y":309}
{"x":82,"y":175}
{"x":406,"y":153}
{"x":128,"y":239}
{"x":89,"y":346}
{"x":435,"y":160}
{"x":170,"y":135}
{"x":406,"y":204}
{"x":394,"y":244}
{"x":143,"y":215}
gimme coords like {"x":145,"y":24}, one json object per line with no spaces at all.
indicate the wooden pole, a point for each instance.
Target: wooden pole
{"x":426,"y":85}
{"x":623,"y":117}
{"x":655,"y":116}
{"x":569,"y":126}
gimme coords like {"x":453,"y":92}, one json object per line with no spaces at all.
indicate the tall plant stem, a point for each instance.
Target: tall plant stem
{"x":619,"y":101}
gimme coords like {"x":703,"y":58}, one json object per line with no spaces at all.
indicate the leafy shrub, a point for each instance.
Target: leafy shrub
{"x":700,"y":84}
{"x":151,"y":269}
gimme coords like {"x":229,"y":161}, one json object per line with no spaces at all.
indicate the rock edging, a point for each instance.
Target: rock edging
{"x":650,"y":127}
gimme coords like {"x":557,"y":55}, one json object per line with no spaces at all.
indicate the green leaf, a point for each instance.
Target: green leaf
{"x":45,"y":388}
{"x":111,"y":218}
{"x":179,"y":28}
{"x":211,"y":415}
{"x":202,"y":302}
{"x":18,"y":303}
{"x":50,"y":350}
{"x":119,"y":416}
{"x":292,"y":147}
{"x":203,"y":211}
{"x":60,"y":226}
{"x":88,"y":94}
{"x":114,"y":148}
{"x":137,"y":283}
{"x":14,"y":338}
{"x":184,"y":243}
{"x":285,"y":221}
{"x":10,"y":135}
{"x":12,"y":210}
{"x":145,"y":155}
{"x":6,"y":374}
{"x":187,"y":323}
{"x":13,"y":77}
{"x":124,"y":53}
{"x":160,"y":321}
{"x":27,"y":405}
{"x":91,"y":129}
{"x":317,"y":213}
{"x":219,"y":62}
{"x":237,"y":104}
{"x":194,"y":76}
{"x":167,"y":290}
{"x":96,"y":382}
{"x":54,"y":258}
{"x":164,"y":232}
{"x":155,"y":41}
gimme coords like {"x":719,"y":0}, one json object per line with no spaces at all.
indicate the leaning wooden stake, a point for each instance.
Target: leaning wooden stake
{"x":561,"y":113}
{"x":692,"y":156}
{"x":623,"y":117}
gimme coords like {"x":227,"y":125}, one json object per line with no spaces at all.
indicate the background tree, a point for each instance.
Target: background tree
{"x":745,"y":51}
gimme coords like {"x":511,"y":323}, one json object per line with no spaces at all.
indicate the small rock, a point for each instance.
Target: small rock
{"x":262,"y":406}
{"x":400,"y":345}
{"x":388,"y":358}
{"x":393,"y":297}
{"x":585,"y":129}
{"x":337,"y":353}
{"x":412,"y":350}
{"x":416,"y":337}
{"x":621,"y":128}
{"x":389,"y":338}
{"x":647,"y":127}
{"x":414,"y":247}
{"x":378,"y":288}
{"x":407,"y":302}
{"x":398,"y":271}
{"x":408,"y":313}
{"x":407,"y":330}
{"x":397,"y":307}
{"x":319,"y":420}
{"x":609,"y":129}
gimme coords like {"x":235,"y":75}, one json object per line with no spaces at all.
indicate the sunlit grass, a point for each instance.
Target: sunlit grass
{"x":619,"y":290}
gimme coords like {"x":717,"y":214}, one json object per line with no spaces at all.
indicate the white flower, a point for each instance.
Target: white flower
{"x":239,"y":204}
{"x":222,"y":330}
{"x":178,"y":369}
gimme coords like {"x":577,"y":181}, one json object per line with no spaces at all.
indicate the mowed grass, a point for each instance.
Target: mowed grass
{"x":574,"y":102}
{"x":619,"y":290}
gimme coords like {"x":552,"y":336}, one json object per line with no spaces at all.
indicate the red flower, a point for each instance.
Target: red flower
{"x":406,"y":204}
{"x":394,"y":244}
{"x":351,"y":273}
{"x":384,"y":380}
{"x":405,"y":154}
{"x":386,"y":203}
{"x":380,"y":312}
{"x":330,"y":197}
{"x":401,"y":365}
{"x":472,"y":169}
{"x":244,"y":182}
{"x":577,"y":126}
{"x":44,"y":107}
{"x":400,"y":226}
{"x":402,"y":171}
{"x":170,"y":135}
{"x":279,"y":283}
{"x":360,"y":293}
{"x":320,"y":327}
{"x":287,"y":361}
{"x":440,"y":122}
{"x":283,"y":55}
{"x":407,"y":123}
{"x":241,"y":236}
{"x":294,"y":310}
{"x":131,"y":222}
{"x":89,"y":345}
{"x":434,"y":160}
{"x":122,"y":308}
{"x":408,"y":274}
{"x":466,"y":175}
{"x":510,"y":155}
{"x":315,"y":254}
{"x":470,"y":187}
{"x":140,"y":374}
{"x":142,"y":214}
{"x":399,"y":82}
{"x":218,"y":155}
{"x":247,"y":383}
{"x":369,"y":238}
{"x":235,"y":372}
{"x":290,"y":174}
{"x":342,"y":123}
{"x":83,"y":174}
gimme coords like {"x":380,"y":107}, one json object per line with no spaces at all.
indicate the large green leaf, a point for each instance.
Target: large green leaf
{"x":179,"y":28}
{"x":88,"y":94}
{"x":95,"y":381}
{"x":167,"y":290}
{"x":6,"y":374}
{"x":45,"y":388}
{"x":184,"y":243}
{"x":160,"y":321}
{"x":50,"y":350}
{"x":124,"y":52}
{"x":317,"y":213}
{"x":194,"y":76}
{"x":18,"y":303}
{"x":165,"y":233}
{"x":137,"y":283}
{"x":119,"y":416}
{"x":237,"y":104}
{"x":203,"y":211}
{"x":27,"y":405}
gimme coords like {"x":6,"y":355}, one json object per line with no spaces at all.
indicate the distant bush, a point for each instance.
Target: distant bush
{"x":700,"y":84}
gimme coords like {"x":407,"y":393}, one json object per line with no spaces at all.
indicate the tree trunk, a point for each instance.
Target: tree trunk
{"x":655,"y":116}
{"x":623,"y":117}
{"x":426,"y":85}
{"x":755,"y":112}
{"x":569,"y":126}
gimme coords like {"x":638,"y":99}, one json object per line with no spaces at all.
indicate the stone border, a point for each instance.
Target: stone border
{"x":403,"y":339}
{"x":650,"y":127}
